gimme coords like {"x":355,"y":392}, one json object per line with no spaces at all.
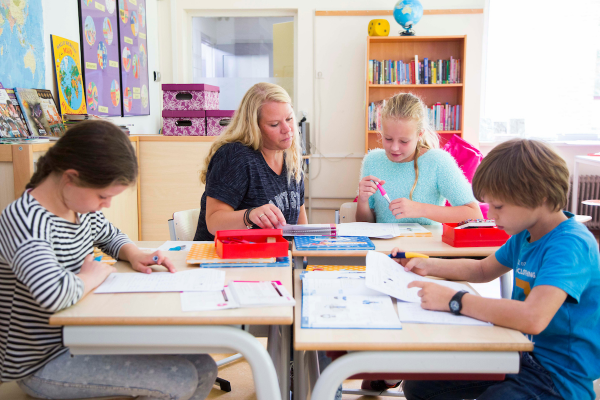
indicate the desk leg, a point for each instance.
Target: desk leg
{"x":298,"y":262}
{"x":182,"y":339}
{"x":575,"y":189}
{"x":278,"y":347}
{"x":506,"y":283}
{"x":412,"y":361}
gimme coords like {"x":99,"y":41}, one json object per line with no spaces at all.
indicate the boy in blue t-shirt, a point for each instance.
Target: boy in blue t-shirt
{"x":556,"y":287}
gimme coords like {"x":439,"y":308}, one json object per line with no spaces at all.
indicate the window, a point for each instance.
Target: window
{"x":235,"y":53}
{"x":542,"y":77}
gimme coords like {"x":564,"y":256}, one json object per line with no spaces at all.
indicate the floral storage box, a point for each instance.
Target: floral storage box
{"x":184,"y":123}
{"x":217,"y":121}
{"x":190,"y":96}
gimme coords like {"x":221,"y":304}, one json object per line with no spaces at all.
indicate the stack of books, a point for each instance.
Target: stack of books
{"x":426,"y":72}
{"x":70,"y":120}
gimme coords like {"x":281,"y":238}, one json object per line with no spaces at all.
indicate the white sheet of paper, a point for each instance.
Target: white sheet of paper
{"x":204,"y":301}
{"x":349,"y":312}
{"x":262,"y":293}
{"x":325,"y":283}
{"x":379,"y":230}
{"x":413,"y":313}
{"x":389,"y":277}
{"x":170,"y":244}
{"x":200,"y":280}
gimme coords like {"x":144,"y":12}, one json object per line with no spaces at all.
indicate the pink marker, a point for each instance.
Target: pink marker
{"x":383,"y":192}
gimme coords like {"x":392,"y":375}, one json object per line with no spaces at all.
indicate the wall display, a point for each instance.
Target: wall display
{"x":134,"y":57}
{"x":67,"y":68}
{"x":21,"y":44}
{"x":101,"y":56}
{"x":40,"y":112}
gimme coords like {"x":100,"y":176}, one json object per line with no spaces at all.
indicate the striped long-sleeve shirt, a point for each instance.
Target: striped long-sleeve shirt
{"x":40,"y":257}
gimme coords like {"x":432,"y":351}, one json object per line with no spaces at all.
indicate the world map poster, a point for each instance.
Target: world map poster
{"x":134,"y":57}
{"x":67,"y":66}
{"x":101,"y":59}
{"x":22,"y":44}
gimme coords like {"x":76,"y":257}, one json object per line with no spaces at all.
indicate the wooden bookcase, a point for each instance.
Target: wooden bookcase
{"x":404,"y":49}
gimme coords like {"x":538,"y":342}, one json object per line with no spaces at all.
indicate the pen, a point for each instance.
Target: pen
{"x":224,"y":295}
{"x":383,"y":192}
{"x":409,"y":255}
{"x":155,"y":258}
{"x":177,"y":248}
{"x":275,"y":286}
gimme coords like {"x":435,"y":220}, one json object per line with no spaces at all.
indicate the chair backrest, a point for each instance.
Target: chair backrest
{"x":348,"y":212}
{"x":185,"y":224}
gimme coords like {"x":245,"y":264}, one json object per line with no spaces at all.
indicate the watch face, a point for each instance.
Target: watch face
{"x":454,"y":305}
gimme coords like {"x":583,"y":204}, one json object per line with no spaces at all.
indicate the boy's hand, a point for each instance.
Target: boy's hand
{"x":405,"y":208}
{"x":366,"y":187}
{"x":417,"y":265}
{"x":141,"y":262}
{"x":433,"y":296}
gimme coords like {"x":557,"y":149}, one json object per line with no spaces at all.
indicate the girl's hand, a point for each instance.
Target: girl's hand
{"x":366,"y":187}
{"x":94,"y":272}
{"x":433,"y":296}
{"x":417,"y":265}
{"x":405,"y":208}
{"x":268,"y":216}
{"x":141,"y":262}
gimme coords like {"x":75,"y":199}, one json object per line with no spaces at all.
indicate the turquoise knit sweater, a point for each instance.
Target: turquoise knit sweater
{"x":440,"y":178}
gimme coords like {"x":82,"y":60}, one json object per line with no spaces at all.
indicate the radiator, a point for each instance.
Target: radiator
{"x":589,"y":189}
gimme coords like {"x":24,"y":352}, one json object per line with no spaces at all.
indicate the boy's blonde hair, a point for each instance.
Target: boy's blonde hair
{"x":245,"y":130}
{"x":524,"y":173}
{"x":408,"y":106}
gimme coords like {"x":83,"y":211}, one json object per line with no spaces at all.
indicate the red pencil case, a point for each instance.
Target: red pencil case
{"x":473,"y":237}
{"x":251,"y":243}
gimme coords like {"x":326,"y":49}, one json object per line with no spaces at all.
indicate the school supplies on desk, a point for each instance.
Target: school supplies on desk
{"x":341,"y":300}
{"x":333,"y":243}
{"x":476,"y":223}
{"x":184,"y":281}
{"x":473,"y":237}
{"x":209,"y":248}
{"x":206,"y":253}
{"x":371,"y":230}
{"x":359,"y":268}
{"x":251,"y":243}
{"x":239,"y":294}
{"x":102,"y":257}
{"x":407,"y":254}
{"x":415,"y":314}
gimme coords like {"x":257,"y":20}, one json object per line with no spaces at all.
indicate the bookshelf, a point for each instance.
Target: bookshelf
{"x":405,"y":49}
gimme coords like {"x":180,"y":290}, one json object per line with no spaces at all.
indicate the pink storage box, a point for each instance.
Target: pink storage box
{"x":184,"y":123}
{"x":190,"y":96}
{"x":213,"y":121}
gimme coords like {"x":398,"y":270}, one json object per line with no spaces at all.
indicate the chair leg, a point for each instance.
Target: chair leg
{"x":223,"y":384}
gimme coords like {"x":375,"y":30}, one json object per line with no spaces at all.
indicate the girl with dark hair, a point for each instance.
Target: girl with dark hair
{"x":46,"y":265}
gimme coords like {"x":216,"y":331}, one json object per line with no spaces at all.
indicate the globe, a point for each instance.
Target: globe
{"x":407,"y":13}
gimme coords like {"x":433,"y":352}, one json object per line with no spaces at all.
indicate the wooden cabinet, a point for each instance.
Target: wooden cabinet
{"x":405,"y":48}
{"x":17,"y":164}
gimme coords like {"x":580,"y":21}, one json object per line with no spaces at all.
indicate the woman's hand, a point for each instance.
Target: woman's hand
{"x":93,"y":273}
{"x":405,"y":208}
{"x":417,"y":265}
{"x":268,"y":216}
{"x":141,"y":261}
{"x":366,"y":187}
{"x":433,"y":296}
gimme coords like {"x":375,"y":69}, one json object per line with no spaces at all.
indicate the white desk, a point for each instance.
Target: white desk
{"x":416,"y":348}
{"x":589,"y":160}
{"x":153,"y":323}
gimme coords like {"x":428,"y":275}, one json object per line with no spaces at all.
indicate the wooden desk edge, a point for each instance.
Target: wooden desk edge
{"x":200,"y":320}
{"x":468,"y":252}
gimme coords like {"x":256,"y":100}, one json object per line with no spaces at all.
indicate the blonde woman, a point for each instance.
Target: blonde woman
{"x":253,"y":171}
{"x":416,"y":174}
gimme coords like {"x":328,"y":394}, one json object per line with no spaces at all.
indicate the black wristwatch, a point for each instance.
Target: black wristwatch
{"x":456,"y":302}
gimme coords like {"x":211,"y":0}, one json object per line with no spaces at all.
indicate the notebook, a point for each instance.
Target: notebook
{"x":333,"y":243}
{"x":206,"y":253}
{"x":372,"y":230}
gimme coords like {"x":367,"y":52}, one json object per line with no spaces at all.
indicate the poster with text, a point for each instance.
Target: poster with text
{"x":100,"y":50}
{"x":134,"y":57}
{"x":67,"y":68}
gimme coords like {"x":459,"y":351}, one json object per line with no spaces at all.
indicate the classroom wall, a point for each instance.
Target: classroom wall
{"x":61,"y":17}
{"x":334,"y":46}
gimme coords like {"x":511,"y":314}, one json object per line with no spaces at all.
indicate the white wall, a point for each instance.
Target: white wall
{"x":61,"y":18}
{"x":334,"y":104}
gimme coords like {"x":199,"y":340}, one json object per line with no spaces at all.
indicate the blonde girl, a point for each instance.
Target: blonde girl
{"x":417,"y":175}
{"x":253,"y":171}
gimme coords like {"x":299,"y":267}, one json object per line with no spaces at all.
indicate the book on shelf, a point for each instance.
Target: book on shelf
{"x":442,"y":117}
{"x":41,"y":115}
{"x":12,"y":123}
{"x":425,"y":72}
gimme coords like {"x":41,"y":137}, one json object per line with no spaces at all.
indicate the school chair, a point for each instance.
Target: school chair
{"x":182,"y":227}
{"x":346,"y":213}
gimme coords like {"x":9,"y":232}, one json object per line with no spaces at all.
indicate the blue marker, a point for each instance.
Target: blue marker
{"x":177,"y":248}
{"x":99,"y":258}
{"x":155,"y":258}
